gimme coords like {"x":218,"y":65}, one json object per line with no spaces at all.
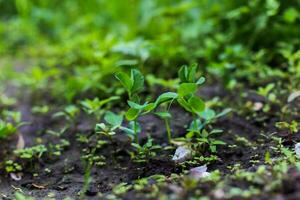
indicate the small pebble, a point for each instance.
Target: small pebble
{"x":297,"y":149}
{"x":199,"y":172}
{"x":182,"y":154}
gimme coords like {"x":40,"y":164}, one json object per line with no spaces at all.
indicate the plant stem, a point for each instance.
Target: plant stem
{"x":168,"y":129}
{"x":135,"y":132}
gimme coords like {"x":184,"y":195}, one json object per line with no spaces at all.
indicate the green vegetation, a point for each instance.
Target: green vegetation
{"x":149,"y":99}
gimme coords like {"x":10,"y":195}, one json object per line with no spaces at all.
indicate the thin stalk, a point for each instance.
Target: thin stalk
{"x":168,"y":129}
{"x":135,"y":132}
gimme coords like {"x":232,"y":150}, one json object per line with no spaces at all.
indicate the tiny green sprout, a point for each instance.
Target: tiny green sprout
{"x":10,"y":128}
{"x":11,"y":166}
{"x":144,"y":152}
{"x":198,"y":130}
{"x":113,"y":122}
{"x":94,"y":106}
{"x":267,"y":92}
{"x":6,"y":129}
{"x":41,"y":109}
{"x":292,"y":127}
{"x":31,"y":153}
{"x":69,"y":113}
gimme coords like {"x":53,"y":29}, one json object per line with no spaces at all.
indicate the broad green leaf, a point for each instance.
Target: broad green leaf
{"x":187,"y":88}
{"x":168,"y":96}
{"x":137,"y":79}
{"x":113,"y":119}
{"x":125,"y":80}
{"x":132,"y":114}
{"x":196,"y":104}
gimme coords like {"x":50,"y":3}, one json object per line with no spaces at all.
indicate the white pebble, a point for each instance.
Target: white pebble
{"x":199,"y":172}
{"x":297,"y":149}
{"x":182,"y":154}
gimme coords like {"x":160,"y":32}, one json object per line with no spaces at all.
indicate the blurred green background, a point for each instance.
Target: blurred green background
{"x":72,"y":47}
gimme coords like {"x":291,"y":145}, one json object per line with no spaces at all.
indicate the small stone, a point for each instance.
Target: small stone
{"x":199,"y":172}
{"x":297,"y":149}
{"x":182,"y":154}
{"x":258,"y":106}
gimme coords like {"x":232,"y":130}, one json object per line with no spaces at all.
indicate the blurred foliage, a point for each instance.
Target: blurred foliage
{"x":77,"y":45}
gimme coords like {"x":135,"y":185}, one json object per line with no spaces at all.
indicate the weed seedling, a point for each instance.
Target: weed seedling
{"x":10,"y":128}
{"x":144,"y":152}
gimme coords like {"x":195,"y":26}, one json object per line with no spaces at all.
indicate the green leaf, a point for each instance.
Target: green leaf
{"x":224,"y":112}
{"x":105,"y":101}
{"x":136,"y":106}
{"x":113,"y":119}
{"x":192,"y":73}
{"x":132,"y":114}
{"x":168,"y":96}
{"x":201,"y":80}
{"x":208,"y":114}
{"x":187,"y":88}
{"x":125,"y":80}
{"x":138,"y":80}
{"x":196,"y":104}
{"x":149,"y":108}
{"x":183,"y":74}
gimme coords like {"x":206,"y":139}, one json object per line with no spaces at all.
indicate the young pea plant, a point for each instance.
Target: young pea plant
{"x":202,"y":116}
{"x":94,"y":106}
{"x":133,"y":85}
{"x":187,"y":89}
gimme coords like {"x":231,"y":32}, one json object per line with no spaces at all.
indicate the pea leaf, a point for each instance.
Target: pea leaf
{"x":113,"y":119}
{"x":187,"y":88}
{"x":125,"y":80}
{"x":196,"y":104}
{"x":132,"y":114}
{"x":138,"y":80}
{"x":166,"y":97}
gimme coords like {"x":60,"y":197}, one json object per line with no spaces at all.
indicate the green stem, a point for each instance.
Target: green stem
{"x":168,"y":129}
{"x":135,"y":132}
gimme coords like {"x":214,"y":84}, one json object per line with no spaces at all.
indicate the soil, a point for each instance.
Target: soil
{"x":67,"y":171}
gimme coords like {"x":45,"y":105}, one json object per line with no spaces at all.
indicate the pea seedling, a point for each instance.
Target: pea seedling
{"x":94,"y":106}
